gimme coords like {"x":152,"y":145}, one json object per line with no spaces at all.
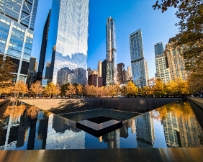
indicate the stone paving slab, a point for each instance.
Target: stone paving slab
{"x":59,"y":106}
{"x":100,"y":155}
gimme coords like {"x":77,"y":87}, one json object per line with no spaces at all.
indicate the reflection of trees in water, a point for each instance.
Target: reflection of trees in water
{"x":178,"y":109}
{"x":14,"y":111}
{"x":181,"y":127}
{"x":32,"y":111}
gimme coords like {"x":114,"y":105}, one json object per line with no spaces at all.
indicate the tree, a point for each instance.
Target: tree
{"x":190,"y":14}
{"x":20,"y":87}
{"x":181,"y":87}
{"x":79,"y":89}
{"x":71,"y":90}
{"x":51,"y":89}
{"x":158,"y":87}
{"x":131,"y":88}
{"x":6,"y":69}
{"x":195,"y":82}
{"x":64,"y":88}
{"x":37,"y":88}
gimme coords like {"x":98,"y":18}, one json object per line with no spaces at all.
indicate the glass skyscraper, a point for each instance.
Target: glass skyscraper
{"x":43,"y":47}
{"x":66,"y":53}
{"x":162,"y":70}
{"x":138,"y":63}
{"x":17,"y":20}
{"x":158,"y":49}
{"x":111,"y":65}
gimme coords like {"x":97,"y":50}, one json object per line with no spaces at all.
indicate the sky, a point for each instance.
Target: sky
{"x":129,"y":16}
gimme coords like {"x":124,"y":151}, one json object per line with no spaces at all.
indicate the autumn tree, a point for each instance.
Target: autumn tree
{"x":123,"y":90}
{"x":195,"y":78}
{"x":79,"y":89}
{"x":51,"y":89}
{"x":64,"y":88}
{"x":20,"y":87}
{"x":190,"y":14}
{"x":71,"y":90}
{"x":36,"y":88}
{"x":6,"y":69}
{"x":131,"y":89}
{"x":158,"y":87}
{"x":117,"y":89}
{"x":181,"y":87}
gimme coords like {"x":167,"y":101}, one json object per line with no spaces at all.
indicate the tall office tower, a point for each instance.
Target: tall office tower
{"x":158,"y":48}
{"x":121,"y":73}
{"x":138,"y":63}
{"x":175,"y":60}
{"x":33,"y":64}
{"x":145,"y":131}
{"x":43,"y":47}
{"x":99,"y":68}
{"x":32,"y":75}
{"x":104,"y":72}
{"x":129,"y":70}
{"x":162,"y":70}
{"x":67,"y":41}
{"x":17,"y":19}
{"x":111,"y":76}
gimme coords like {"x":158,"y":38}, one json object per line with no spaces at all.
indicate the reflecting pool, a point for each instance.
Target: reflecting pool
{"x":25,"y":127}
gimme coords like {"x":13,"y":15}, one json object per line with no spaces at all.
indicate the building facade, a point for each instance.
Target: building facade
{"x":32,"y":71}
{"x":175,"y":61}
{"x":162,"y":70}
{"x":138,"y":63}
{"x":67,"y":41}
{"x":104,"y":72}
{"x":43,"y":47}
{"x":17,"y":20}
{"x":129,"y":74}
{"x":111,"y":72}
{"x":99,"y":68}
{"x":121,"y":78}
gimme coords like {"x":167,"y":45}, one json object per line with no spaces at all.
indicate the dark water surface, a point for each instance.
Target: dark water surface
{"x":25,"y":127}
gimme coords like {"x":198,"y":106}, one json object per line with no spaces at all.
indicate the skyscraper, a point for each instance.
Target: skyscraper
{"x":111,"y":72}
{"x":158,"y":48}
{"x":43,"y":47}
{"x":121,"y":78}
{"x":99,"y":68}
{"x":162,"y":70}
{"x":138,"y":63}
{"x":175,"y":61}
{"x":17,"y":20}
{"x":104,"y":72}
{"x":68,"y":34}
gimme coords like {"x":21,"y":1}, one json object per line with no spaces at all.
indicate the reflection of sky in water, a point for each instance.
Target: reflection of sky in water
{"x":159,"y":135}
{"x":93,"y":142}
{"x":45,"y":130}
{"x":130,"y":141}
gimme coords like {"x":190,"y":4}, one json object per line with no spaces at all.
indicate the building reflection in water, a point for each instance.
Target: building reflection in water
{"x":24,"y":127}
{"x":145,"y":131}
{"x":181,"y":128}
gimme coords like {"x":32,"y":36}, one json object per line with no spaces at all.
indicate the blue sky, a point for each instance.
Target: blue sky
{"x":129,"y":16}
